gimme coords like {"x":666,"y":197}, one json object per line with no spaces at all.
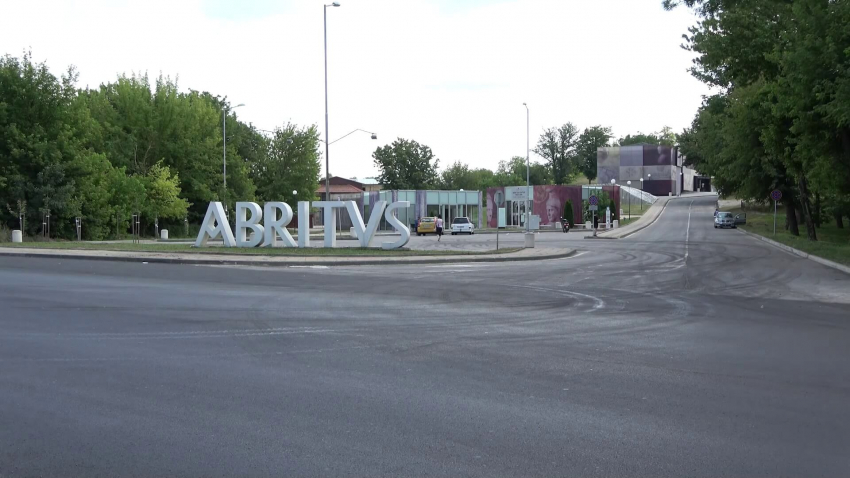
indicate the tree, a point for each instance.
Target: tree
{"x":639,"y":138}
{"x":406,"y":164}
{"x":162,"y":194}
{"x":568,"y":213}
{"x":788,"y":60}
{"x":37,"y":141}
{"x":590,"y":140}
{"x":293,"y":163}
{"x":558,"y":147}
{"x":457,"y":176}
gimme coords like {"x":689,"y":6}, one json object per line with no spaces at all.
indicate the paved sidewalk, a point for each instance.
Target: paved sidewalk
{"x":534,"y":254}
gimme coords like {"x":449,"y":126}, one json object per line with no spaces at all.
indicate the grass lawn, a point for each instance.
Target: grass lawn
{"x":832,"y":243}
{"x":625,"y":220}
{"x":277,"y":251}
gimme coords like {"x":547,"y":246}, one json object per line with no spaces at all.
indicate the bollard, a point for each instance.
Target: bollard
{"x":588,"y":225}
{"x":616,"y":223}
{"x":163,"y":234}
{"x":17,"y":236}
{"x":529,"y":240}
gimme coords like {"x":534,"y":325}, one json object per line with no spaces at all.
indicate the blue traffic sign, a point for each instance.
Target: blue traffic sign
{"x":593,"y":200}
{"x":776,"y":195}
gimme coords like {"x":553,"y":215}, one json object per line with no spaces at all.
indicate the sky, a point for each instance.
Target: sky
{"x":452,"y":75}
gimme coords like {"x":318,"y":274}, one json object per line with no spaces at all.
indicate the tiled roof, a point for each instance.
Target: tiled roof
{"x":339,"y":189}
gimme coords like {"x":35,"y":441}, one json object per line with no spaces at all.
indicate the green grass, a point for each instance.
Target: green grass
{"x":277,"y":251}
{"x":833,"y":243}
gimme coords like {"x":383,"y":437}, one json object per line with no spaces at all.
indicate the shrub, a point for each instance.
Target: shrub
{"x":568,"y":213}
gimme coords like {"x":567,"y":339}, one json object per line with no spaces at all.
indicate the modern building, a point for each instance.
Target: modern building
{"x":547,"y":202}
{"x":429,"y":203}
{"x":448,"y":204}
{"x":656,"y":169}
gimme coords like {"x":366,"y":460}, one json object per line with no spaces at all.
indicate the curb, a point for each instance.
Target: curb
{"x":236,"y":262}
{"x":636,"y":222}
{"x":797,"y":252}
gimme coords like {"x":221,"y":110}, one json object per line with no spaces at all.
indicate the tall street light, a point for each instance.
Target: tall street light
{"x":224,"y":149}
{"x":327,"y":145}
{"x":629,"y":183}
{"x":641,"y":195}
{"x":613,"y":213}
{"x":527,"y":170}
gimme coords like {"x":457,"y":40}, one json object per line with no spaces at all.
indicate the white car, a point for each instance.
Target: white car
{"x":462,"y":225}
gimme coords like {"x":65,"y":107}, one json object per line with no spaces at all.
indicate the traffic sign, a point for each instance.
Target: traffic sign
{"x":593,"y":200}
{"x":776,"y":195}
{"x":593,"y":207}
{"x":499,"y":198}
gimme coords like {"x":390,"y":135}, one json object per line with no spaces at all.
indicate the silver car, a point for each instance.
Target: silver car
{"x":724,"y":219}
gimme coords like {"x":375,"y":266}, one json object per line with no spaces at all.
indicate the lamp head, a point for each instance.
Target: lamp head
{"x":374,"y":136}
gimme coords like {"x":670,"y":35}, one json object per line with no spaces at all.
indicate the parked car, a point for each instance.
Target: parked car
{"x":427,"y":225}
{"x":724,"y":219}
{"x":462,"y":225}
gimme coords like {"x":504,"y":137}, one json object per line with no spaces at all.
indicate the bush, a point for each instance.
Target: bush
{"x":568,"y":213}
{"x":5,"y":233}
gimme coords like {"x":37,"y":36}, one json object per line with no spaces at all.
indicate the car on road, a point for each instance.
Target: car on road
{"x":427,"y":225}
{"x":724,"y":219}
{"x":462,"y":225}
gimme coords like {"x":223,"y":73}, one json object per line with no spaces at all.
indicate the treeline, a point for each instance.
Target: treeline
{"x":567,"y":156}
{"x":781,"y":118}
{"x":129,"y":147}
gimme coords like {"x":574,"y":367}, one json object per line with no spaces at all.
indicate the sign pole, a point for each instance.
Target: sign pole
{"x":774,"y":218}
{"x":776,"y":195}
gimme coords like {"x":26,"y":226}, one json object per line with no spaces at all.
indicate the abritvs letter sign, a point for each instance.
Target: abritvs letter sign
{"x":269,"y":224}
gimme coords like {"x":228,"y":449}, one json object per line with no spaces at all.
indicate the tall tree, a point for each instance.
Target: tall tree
{"x":406,"y":164}
{"x":589,"y":142}
{"x":293,"y":163}
{"x":788,"y":60}
{"x":558,"y":147}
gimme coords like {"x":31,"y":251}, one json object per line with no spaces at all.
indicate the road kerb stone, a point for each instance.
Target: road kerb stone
{"x":797,"y":252}
{"x":279,"y":261}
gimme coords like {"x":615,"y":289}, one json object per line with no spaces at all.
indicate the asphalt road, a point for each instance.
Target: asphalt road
{"x":680,"y":351}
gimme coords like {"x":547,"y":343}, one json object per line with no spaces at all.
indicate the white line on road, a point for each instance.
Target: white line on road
{"x":688,"y":232}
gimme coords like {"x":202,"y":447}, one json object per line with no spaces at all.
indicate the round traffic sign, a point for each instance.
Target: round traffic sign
{"x":776,"y":195}
{"x":593,"y":200}
{"x":499,"y":198}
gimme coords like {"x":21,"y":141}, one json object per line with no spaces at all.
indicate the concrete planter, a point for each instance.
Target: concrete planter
{"x":17,"y":236}
{"x":163,"y":234}
{"x":529,"y":240}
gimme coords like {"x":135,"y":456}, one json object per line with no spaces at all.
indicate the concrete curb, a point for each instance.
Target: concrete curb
{"x":612,"y":233}
{"x":797,"y":252}
{"x":283,"y":263}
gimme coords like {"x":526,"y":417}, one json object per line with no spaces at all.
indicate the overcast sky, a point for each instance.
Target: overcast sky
{"x":451,"y":74}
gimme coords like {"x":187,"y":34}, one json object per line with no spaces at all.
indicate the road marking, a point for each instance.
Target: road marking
{"x":650,"y":224}
{"x":688,"y":232}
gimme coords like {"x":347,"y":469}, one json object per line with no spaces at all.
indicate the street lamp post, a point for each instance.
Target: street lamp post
{"x":527,"y":170}
{"x":327,"y":137}
{"x":641,"y":195}
{"x":613,"y":213}
{"x":629,"y":184}
{"x":224,"y":151}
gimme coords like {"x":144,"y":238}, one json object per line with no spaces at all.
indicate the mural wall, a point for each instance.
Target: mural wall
{"x":548,"y":202}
